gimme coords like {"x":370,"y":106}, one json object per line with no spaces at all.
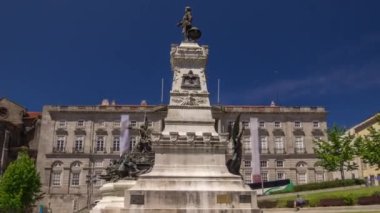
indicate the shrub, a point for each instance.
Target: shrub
{"x":266,"y":204}
{"x":376,"y":194}
{"x":290,"y":203}
{"x":348,"y":200}
{"x":332,"y":202}
{"x":370,"y":200}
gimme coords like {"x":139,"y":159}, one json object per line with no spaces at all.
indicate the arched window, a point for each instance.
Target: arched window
{"x":301,"y":172}
{"x":75,"y":171}
{"x":56,"y":173}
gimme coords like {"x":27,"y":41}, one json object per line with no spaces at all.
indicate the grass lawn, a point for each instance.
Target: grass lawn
{"x":315,"y":197}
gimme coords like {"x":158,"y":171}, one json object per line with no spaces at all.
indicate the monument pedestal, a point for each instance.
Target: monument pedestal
{"x":113,"y":196}
{"x":189,"y":172}
{"x":190,"y":177}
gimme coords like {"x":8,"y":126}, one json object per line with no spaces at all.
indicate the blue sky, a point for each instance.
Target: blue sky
{"x":299,"y":53}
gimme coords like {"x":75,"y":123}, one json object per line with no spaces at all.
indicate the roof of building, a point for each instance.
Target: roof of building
{"x":220,"y":108}
{"x":6,"y":99}
{"x":366,"y":123}
{"x":32,"y":115}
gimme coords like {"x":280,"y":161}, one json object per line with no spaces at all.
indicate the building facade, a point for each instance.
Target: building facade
{"x":18,"y":128}
{"x":78,"y":142}
{"x":370,"y":173}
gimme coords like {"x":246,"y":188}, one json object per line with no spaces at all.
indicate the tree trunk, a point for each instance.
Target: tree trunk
{"x":342,"y":173}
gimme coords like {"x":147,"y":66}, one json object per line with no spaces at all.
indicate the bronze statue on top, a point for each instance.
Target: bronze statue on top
{"x":190,"y":33}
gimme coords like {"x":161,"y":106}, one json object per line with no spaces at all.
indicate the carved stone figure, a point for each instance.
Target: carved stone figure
{"x":139,"y":161}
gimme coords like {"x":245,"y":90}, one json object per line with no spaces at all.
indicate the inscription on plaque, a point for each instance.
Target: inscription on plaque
{"x":224,"y":198}
{"x":137,"y":199}
{"x":245,"y":198}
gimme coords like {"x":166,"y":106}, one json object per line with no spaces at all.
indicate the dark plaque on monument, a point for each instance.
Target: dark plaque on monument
{"x":224,"y":198}
{"x":137,"y":199}
{"x":245,"y":198}
{"x":190,"y":81}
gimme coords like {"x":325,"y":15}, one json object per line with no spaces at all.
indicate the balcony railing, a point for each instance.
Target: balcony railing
{"x":300,"y":150}
{"x":78,"y":150}
{"x":59,"y":149}
{"x":115,"y":149}
{"x":100,"y":150}
{"x":279,"y":150}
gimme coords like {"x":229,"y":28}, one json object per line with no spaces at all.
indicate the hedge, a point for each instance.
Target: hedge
{"x":328,"y":184}
{"x":266,"y":204}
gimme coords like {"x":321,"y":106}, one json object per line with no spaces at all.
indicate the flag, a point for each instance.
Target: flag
{"x":124,"y":135}
{"x":254,"y":139}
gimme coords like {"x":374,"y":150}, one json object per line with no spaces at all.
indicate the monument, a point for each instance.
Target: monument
{"x":189,"y":172}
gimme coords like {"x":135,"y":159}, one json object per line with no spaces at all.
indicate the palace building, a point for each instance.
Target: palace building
{"x":77,"y":143}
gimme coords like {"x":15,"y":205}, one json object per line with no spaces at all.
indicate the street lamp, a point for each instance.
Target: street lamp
{"x":90,"y":180}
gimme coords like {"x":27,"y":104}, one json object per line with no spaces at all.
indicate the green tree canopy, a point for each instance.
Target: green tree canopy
{"x":338,"y":152}
{"x":369,"y":147}
{"x":20,"y":185}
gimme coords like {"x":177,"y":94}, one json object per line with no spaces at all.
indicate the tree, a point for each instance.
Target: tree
{"x":338,"y":152}
{"x":369,"y":147}
{"x":20,"y":185}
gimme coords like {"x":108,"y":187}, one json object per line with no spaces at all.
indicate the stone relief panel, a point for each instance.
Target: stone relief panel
{"x":189,"y":100}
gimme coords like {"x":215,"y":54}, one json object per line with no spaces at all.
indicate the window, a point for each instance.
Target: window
{"x":60,"y":146}
{"x":297,"y":124}
{"x":56,"y":174}
{"x":247,"y":145}
{"x":102,"y":123}
{"x":264,"y":144}
{"x":277,"y":124}
{"x":280,"y":175}
{"x":62,"y":124}
{"x":116,"y":123}
{"x":99,"y":143}
{"x":263,"y":164}
{"x":247,"y":176}
{"x":133,"y":142}
{"x":75,"y":178}
{"x":317,"y":138}
{"x":302,"y":178}
{"x":98,"y":163}
{"x":56,"y":178}
{"x":299,"y":144}
{"x":78,"y":145}
{"x":280,"y":163}
{"x":247,"y":163}
{"x":279,"y":144}
{"x":133,"y":124}
{"x":116,"y":143}
{"x":80,"y":123}
{"x":316,"y":124}
{"x":245,"y":124}
{"x":319,"y":177}
{"x":262,"y":124}
{"x":264,"y":176}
